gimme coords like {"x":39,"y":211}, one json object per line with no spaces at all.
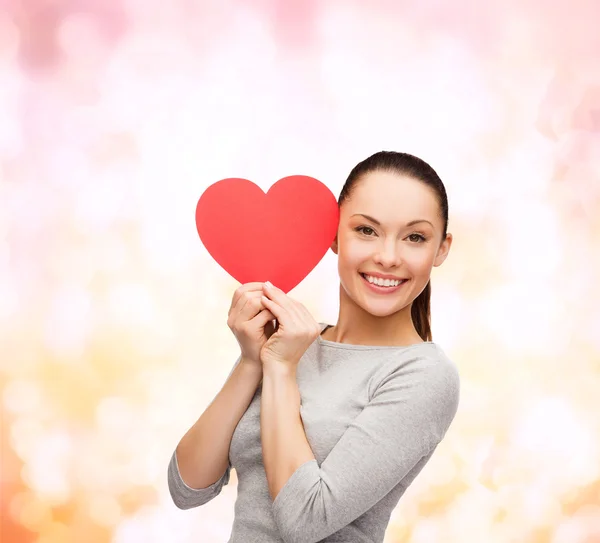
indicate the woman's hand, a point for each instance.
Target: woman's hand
{"x":250,"y":321}
{"x":296,"y":328}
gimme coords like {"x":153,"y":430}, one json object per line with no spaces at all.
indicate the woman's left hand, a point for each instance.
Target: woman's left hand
{"x":295,"y":332}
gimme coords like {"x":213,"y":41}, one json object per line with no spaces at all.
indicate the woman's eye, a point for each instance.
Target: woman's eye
{"x":365,"y":230}
{"x":417,"y":238}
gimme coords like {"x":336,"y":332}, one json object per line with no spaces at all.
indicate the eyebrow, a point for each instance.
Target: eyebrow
{"x":416,"y":221}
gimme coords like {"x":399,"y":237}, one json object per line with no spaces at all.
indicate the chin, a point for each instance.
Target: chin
{"x":380,"y":312}
{"x":377,"y":309}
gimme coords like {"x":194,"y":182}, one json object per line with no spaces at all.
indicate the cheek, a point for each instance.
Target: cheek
{"x":353,"y":254}
{"x":420,"y":263}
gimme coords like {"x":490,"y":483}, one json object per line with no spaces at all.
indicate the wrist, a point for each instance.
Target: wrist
{"x":278,"y":368}
{"x":253,"y":366}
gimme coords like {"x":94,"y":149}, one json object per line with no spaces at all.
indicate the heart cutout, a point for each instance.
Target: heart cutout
{"x":279,"y":236}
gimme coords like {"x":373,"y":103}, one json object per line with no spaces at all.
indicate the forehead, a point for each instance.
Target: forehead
{"x":392,"y":197}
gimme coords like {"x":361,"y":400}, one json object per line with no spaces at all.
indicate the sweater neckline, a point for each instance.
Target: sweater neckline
{"x":352,"y":347}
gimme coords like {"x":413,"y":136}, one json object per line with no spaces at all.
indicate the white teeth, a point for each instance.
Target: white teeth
{"x":382,"y":282}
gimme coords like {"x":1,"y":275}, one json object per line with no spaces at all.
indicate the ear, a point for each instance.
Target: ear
{"x":443,"y":251}
{"x":334,"y":245}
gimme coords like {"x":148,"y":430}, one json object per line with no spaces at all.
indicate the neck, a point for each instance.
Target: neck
{"x":356,"y":326}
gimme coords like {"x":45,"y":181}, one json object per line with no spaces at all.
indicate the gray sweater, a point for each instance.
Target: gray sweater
{"x":373,"y":417}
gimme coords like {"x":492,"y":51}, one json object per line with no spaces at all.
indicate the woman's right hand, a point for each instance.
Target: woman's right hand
{"x":250,"y":321}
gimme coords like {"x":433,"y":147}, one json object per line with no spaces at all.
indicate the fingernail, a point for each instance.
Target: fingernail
{"x":268,"y":284}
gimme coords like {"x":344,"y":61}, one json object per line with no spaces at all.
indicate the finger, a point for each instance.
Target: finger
{"x":278,"y":296}
{"x":246,"y":287}
{"x":249,"y":308}
{"x":240,"y":291}
{"x":236,"y":316}
{"x":292,"y":306}
{"x":295,"y":319}
{"x":262,"y":318}
{"x":282,"y":316}
{"x":296,"y":311}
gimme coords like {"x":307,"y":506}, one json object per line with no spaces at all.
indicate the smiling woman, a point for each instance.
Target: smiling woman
{"x":327,"y":426}
{"x":393,"y":226}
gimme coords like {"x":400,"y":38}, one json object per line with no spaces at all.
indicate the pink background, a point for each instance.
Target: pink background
{"x":115,"y":116}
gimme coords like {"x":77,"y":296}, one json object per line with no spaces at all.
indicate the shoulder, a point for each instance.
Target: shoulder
{"x":420,"y":390}
{"x":443,"y":369}
{"x":438,"y":387}
{"x":426,"y":358}
{"x":439,"y":371}
{"x":426,"y":369}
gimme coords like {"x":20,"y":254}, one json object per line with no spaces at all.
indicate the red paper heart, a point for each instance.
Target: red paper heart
{"x":279,"y":236}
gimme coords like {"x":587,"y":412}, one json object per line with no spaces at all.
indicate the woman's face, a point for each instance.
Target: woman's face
{"x":390,"y":226}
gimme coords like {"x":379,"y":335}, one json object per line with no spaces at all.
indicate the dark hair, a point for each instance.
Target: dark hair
{"x":409,"y":165}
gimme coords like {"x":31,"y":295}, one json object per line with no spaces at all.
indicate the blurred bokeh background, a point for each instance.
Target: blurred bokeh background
{"x":115,"y":116}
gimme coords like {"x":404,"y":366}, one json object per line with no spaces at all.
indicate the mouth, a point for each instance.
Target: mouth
{"x":383,"y":289}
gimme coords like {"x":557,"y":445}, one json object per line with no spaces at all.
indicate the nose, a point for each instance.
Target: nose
{"x":388,"y":254}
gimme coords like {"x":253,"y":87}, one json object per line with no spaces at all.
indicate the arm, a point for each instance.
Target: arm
{"x":407,"y":417}
{"x":199,"y":466}
{"x":284,"y":444}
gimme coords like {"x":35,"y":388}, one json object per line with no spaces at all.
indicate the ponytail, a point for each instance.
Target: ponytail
{"x":420,"y":313}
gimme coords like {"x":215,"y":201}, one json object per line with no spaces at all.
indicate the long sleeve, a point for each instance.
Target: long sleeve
{"x":406,"y":418}
{"x":186,"y":497}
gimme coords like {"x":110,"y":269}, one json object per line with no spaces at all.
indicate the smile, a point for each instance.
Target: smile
{"x":392,"y":286}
